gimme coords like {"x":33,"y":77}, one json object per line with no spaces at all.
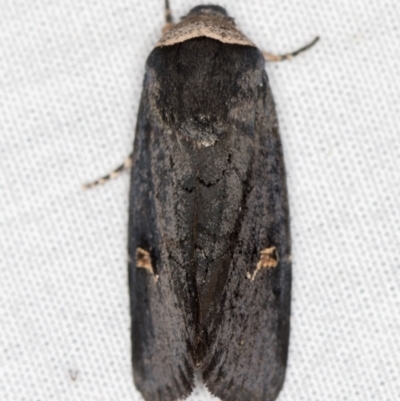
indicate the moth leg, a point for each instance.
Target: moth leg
{"x":168,"y":18}
{"x":126,"y":165}
{"x":288,"y":56}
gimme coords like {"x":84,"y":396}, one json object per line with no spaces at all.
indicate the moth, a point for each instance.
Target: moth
{"x":209,"y":235}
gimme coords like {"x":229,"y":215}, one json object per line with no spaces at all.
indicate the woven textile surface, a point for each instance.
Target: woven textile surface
{"x":70,"y":80}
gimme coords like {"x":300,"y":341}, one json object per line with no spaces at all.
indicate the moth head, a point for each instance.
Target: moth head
{"x":205,"y":21}
{"x":208,"y":10}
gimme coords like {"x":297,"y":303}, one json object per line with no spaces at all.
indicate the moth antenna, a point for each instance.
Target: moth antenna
{"x":126,"y":165}
{"x":288,"y":56}
{"x":168,"y":18}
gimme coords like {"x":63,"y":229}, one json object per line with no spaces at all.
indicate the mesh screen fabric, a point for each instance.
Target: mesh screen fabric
{"x":71,"y":75}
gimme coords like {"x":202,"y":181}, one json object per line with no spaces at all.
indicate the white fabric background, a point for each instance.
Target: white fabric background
{"x":70,"y":80}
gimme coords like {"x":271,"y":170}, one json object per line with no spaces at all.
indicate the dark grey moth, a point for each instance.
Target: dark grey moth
{"x":209,"y":238}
